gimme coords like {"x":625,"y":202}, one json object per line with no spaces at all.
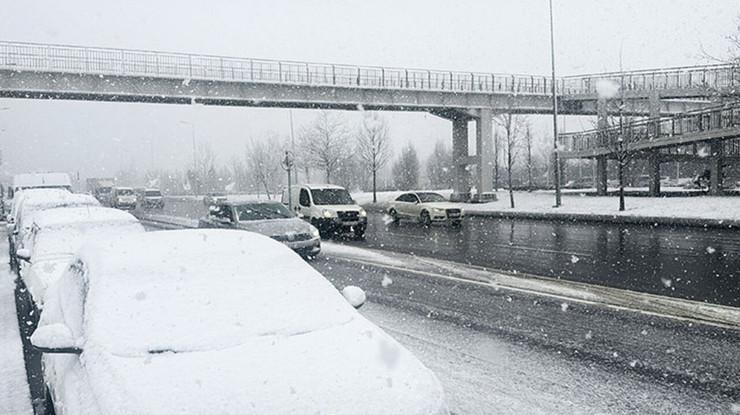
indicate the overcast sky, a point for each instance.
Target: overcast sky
{"x":487,"y":36}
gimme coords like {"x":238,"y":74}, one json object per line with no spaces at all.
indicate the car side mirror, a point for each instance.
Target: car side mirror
{"x":55,"y":338}
{"x":354,"y":295}
{"x":23,"y":254}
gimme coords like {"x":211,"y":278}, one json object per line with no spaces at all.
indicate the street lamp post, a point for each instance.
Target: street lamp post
{"x":556,"y":158}
{"x":287,"y":165}
{"x":192,"y":131}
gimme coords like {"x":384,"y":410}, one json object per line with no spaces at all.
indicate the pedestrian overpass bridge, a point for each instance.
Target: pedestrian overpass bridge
{"x":45,"y":71}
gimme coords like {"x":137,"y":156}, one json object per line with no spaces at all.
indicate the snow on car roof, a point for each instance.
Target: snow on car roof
{"x":56,"y":197}
{"x":189,"y":290}
{"x":30,"y":180}
{"x":322,"y":186}
{"x":85,"y":214}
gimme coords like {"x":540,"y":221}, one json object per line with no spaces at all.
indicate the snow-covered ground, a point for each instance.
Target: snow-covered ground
{"x":698,"y":207}
{"x":14,"y":392}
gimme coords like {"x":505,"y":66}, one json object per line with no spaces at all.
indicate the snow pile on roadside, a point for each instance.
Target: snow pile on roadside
{"x":346,"y":251}
{"x":704,"y":207}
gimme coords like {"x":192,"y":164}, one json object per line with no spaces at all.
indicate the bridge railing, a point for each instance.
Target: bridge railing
{"x":122,"y":62}
{"x":651,"y":130}
{"x":710,"y":77}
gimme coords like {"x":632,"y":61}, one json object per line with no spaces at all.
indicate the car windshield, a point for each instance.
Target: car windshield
{"x":262,"y":211}
{"x":125,"y":192}
{"x":430,"y":197}
{"x":153,"y":193}
{"x":331,"y":197}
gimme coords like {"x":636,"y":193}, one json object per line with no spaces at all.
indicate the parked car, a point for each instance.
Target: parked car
{"x":329,"y":208}
{"x":254,"y":328}
{"x":425,"y":208}
{"x":123,"y":198}
{"x":31,"y":201}
{"x":57,"y":233}
{"x":268,"y":218}
{"x":150,"y":199}
{"x":214,"y":197}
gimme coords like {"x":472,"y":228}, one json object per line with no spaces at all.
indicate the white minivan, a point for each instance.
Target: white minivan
{"x":329,"y":208}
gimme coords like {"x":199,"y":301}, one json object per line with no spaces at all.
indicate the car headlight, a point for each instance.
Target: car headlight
{"x":363,"y":213}
{"x":438,"y":210}
{"x":314,"y":232}
{"x":328,"y":213}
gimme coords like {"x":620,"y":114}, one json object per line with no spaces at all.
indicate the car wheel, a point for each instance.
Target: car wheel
{"x":456,"y":223}
{"x":425,"y":219}
{"x":394,"y":216}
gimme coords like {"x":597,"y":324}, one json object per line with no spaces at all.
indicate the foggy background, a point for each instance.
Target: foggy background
{"x":98,"y":139}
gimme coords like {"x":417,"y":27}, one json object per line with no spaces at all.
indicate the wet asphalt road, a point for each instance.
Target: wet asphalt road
{"x":684,"y":262}
{"x":701,"y":264}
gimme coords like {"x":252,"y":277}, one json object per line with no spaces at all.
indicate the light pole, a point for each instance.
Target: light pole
{"x":556,"y":159}
{"x":287,"y":165}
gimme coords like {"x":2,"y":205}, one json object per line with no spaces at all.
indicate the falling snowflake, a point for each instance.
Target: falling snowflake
{"x":386,"y":281}
{"x":711,"y":250}
{"x":574,"y":259}
{"x":564,"y":306}
{"x":667,"y":282}
{"x":589,"y":335}
{"x":633,"y":363}
{"x":186,"y":82}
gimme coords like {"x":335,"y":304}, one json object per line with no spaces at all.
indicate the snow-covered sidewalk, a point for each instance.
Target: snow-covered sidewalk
{"x":695,"y":210}
{"x":14,"y":391}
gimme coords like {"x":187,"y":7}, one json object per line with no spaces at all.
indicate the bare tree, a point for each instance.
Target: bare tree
{"x":263,"y":162}
{"x":528,"y":144}
{"x":512,"y":125}
{"x":439,"y":167}
{"x":325,"y":143}
{"x":406,"y":169}
{"x":373,"y":145}
{"x":203,"y":176}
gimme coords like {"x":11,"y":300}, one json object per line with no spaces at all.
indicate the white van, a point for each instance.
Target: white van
{"x":123,"y":198}
{"x":329,"y":208}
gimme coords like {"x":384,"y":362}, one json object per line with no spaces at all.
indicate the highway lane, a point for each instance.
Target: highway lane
{"x":690,"y":263}
{"x":499,"y":351}
{"x":684,"y":262}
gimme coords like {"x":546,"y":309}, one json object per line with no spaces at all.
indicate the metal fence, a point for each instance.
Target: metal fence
{"x":652,"y":129}
{"x":121,"y":62}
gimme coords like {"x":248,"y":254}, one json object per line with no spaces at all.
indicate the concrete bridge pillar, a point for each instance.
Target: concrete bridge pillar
{"x":654,"y":172}
{"x":484,"y":151}
{"x":461,"y":178}
{"x":600,"y":175}
{"x":715,"y":167}
{"x":654,"y":131}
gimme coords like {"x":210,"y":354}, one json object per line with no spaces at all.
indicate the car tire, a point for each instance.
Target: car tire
{"x":394,"y":216}
{"x":425,"y":219}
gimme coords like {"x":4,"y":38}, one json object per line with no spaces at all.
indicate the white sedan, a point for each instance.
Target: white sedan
{"x":56,"y":234}
{"x":215,"y":321}
{"x":425,"y":208}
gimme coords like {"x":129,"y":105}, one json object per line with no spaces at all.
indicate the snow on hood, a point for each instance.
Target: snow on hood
{"x":352,"y":368}
{"x":443,"y":205}
{"x":273,"y":227}
{"x":205,"y":289}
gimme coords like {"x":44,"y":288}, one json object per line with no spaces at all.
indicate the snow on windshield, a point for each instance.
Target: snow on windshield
{"x":262,"y":211}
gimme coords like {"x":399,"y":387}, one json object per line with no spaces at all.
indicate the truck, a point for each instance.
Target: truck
{"x":101,"y":189}
{"x":39,"y":181}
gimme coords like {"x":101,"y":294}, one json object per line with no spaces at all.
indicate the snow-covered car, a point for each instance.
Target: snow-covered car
{"x":209,"y":321}
{"x":268,"y":218}
{"x":329,"y":208}
{"x":31,"y":201}
{"x":57,"y":233}
{"x":425,"y":208}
